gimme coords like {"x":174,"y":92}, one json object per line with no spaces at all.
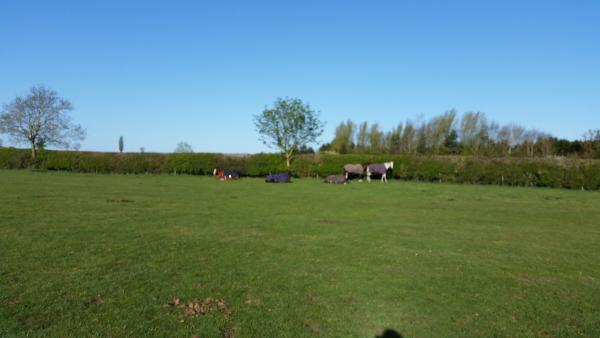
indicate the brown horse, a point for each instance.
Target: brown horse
{"x":224,"y":175}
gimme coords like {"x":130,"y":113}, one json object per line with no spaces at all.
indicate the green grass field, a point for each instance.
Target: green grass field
{"x":88,"y":255}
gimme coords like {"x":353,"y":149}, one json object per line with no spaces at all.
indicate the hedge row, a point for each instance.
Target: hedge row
{"x":552,"y":172}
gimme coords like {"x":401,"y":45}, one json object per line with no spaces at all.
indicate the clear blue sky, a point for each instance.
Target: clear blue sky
{"x":163,"y":72}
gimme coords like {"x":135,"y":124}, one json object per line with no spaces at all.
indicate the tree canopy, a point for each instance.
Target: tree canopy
{"x":184,"y":147}
{"x":288,"y":126}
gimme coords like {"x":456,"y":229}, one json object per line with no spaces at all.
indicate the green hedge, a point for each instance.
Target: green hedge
{"x":551,"y":172}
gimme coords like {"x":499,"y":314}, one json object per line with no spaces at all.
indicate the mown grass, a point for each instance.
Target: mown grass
{"x":100,"y":255}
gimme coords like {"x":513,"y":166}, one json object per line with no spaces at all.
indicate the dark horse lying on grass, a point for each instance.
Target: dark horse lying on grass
{"x":225,"y":175}
{"x":279,"y":178}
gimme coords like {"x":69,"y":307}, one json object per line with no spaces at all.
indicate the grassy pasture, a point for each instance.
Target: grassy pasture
{"x":101,"y":255}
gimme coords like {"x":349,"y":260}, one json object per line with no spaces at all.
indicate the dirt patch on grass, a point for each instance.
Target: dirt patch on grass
{"x":96,"y":300}
{"x":312,"y":298}
{"x":228,"y":332}
{"x":312,"y":326}
{"x":252,"y":301}
{"x":195,"y":308}
{"x":552,"y":198}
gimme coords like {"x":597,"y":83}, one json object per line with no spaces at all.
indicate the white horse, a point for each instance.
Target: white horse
{"x":380,"y":169}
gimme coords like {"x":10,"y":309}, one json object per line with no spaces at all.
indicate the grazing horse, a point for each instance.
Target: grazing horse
{"x":224,"y":175}
{"x":336,"y":179}
{"x":279,"y":178}
{"x":379,"y":169}
{"x":355,"y":169}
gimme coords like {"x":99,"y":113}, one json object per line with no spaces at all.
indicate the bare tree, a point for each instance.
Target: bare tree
{"x":41,"y":114}
{"x":184,"y":147}
{"x":516,"y":136}
{"x":544,"y":144}
{"x":592,"y":135}
{"x":531,"y":138}
{"x":591,"y":143}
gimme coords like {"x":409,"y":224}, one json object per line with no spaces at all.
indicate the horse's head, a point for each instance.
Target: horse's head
{"x":389,"y":165}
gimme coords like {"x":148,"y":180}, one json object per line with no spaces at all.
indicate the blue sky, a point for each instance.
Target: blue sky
{"x":163,"y":72}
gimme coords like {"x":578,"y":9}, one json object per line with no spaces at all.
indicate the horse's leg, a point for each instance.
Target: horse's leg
{"x":384,"y":178}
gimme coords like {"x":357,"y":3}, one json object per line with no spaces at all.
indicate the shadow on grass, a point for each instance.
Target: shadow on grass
{"x":389,"y":333}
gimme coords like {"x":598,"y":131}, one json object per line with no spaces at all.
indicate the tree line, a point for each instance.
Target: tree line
{"x":450,"y":134}
{"x":42,"y":118}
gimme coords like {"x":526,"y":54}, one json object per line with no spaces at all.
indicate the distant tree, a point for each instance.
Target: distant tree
{"x":451,"y":145}
{"x":325,"y":147}
{"x":438,"y":130}
{"x":142,"y":150}
{"x":121,"y":144}
{"x":545,"y":144}
{"x":0,"y":143}
{"x":40,"y":144}
{"x":591,"y":143}
{"x":343,"y":141}
{"x":592,"y":135}
{"x":408,"y":138}
{"x":362,"y":136}
{"x":517,"y":136}
{"x":421,"y":139}
{"x":184,"y":147}
{"x":41,"y":114}
{"x":288,"y":126}
{"x":473,"y":131}
{"x":376,"y":139}
{"x":305,"y":150}
{"x":511,"y":136}
{"x":394,"y":139}
{"x":531,"y":139}
{"x":447,"y":134}
{"x":564,"y":147}
{"x":561,"y":147}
